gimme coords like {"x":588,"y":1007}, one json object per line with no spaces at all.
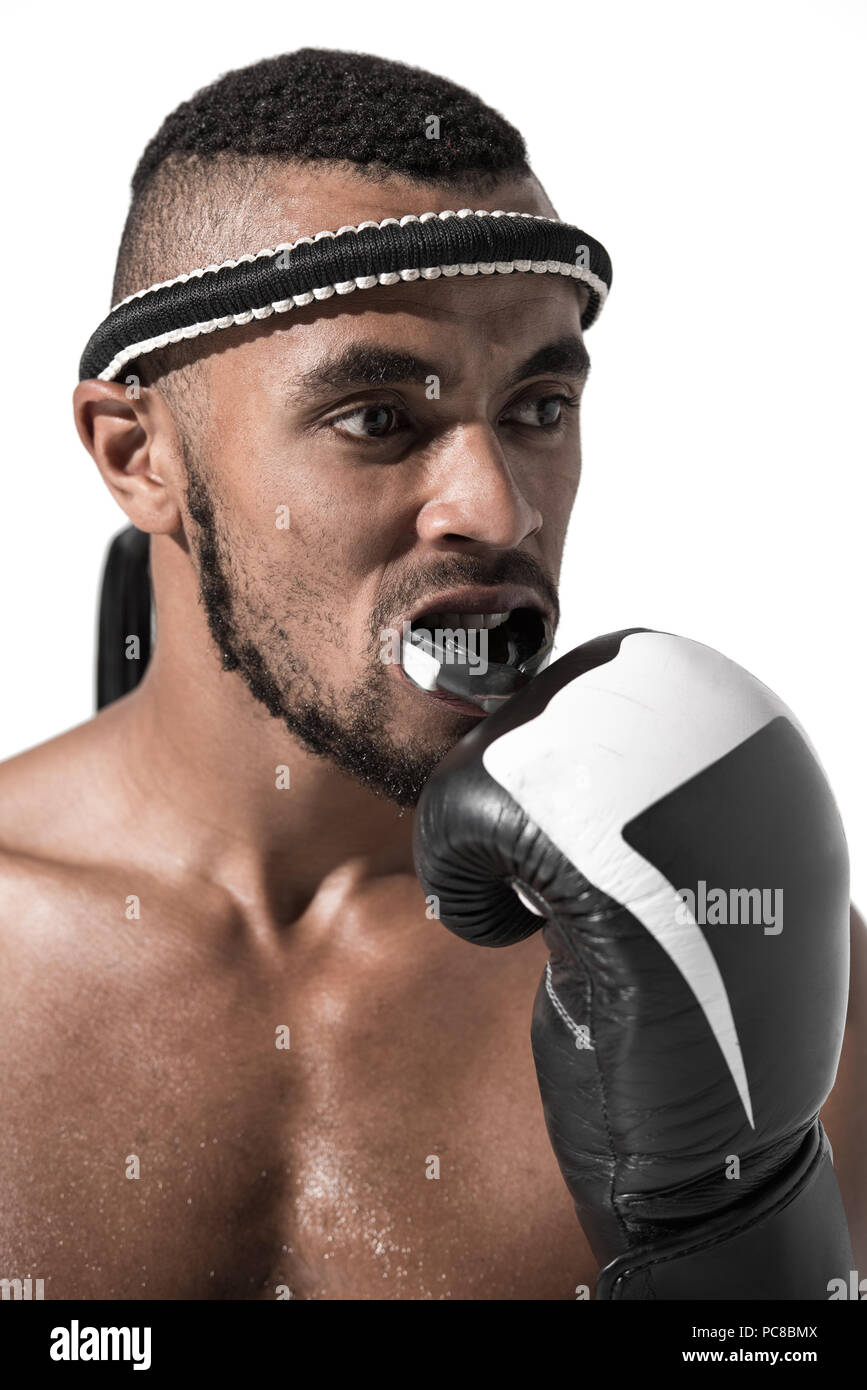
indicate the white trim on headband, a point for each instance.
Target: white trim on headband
{"x":361,"y":282}
{"x":308,"y":241}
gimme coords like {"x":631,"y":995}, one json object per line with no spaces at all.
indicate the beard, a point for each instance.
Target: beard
{"x":350,"y":728}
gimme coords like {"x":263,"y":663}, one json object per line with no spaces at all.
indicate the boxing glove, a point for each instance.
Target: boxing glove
{"x":664,"y":819}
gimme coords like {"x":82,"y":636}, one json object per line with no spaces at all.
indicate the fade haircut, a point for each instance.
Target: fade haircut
{"x":197,"y":194}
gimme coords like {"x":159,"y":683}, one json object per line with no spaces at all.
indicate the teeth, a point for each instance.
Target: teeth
{"x":484,"y":619}
{"x":466,"y":620}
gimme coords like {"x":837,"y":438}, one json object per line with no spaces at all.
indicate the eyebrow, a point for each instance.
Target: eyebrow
{"x":373,"y":364}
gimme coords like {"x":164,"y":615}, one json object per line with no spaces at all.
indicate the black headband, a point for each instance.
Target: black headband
{"x":298,"y":273}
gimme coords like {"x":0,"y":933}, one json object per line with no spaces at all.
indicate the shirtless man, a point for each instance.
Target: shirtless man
{"x":173,"y":899}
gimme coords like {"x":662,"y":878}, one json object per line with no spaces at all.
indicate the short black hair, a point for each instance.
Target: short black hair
{"x":194,"y":189}
{"x":320,"y":104}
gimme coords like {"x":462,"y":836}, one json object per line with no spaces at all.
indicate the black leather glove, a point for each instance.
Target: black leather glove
{"x":684,"y":1044}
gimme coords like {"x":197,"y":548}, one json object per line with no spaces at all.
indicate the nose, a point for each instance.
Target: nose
{"x":475,"y":497}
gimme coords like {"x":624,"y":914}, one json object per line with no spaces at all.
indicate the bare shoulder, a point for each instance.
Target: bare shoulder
{"x":88,"y":924}
{"x":44,"y":790}
{"x":85,"y":863}
{"x":61,"y":838}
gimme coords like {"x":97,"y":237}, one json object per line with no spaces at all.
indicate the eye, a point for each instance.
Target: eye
{"x":543,"y":412}
{"x":367,"y":421}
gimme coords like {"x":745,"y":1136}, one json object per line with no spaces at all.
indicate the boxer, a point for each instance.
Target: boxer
{"x":339,"y":390}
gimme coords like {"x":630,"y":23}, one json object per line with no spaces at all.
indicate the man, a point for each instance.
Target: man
{"x":243,"y":1060}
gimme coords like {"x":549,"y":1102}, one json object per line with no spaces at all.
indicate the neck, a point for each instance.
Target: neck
{"x":208,"y":770}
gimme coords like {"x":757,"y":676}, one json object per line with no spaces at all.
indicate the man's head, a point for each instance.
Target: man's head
{"x":330,"y":472}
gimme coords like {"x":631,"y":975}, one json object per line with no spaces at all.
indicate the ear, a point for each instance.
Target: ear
{"x":131,"y":435}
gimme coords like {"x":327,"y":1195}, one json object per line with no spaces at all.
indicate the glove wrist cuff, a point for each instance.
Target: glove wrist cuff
{"x":786,"y":1242}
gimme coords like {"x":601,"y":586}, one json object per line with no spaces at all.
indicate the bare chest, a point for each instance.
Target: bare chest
{"x":283,"y":1138}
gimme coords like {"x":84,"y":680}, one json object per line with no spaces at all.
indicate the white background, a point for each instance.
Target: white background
{"x":717,"y":150}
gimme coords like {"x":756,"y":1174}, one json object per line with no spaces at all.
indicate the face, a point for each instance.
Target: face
{"x":404,"y":450}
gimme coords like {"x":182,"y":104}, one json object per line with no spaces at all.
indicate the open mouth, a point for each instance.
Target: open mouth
{"x":478,"y":659}
{"x":511,"y":638}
